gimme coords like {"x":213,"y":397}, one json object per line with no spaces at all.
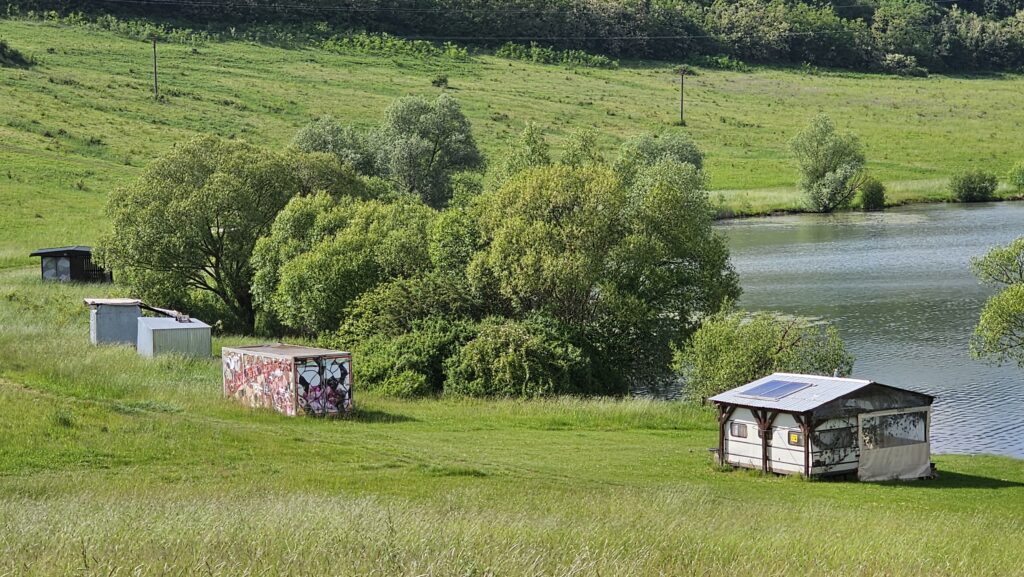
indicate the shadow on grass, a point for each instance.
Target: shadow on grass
{"x":951,"y":480}
{"x":943,"y":480}
{"x":372,"y":416}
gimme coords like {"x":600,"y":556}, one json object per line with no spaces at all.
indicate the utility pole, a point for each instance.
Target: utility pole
{"x":156,"y":92}
{"x":682,"y":90}
{"x":682,"y":71}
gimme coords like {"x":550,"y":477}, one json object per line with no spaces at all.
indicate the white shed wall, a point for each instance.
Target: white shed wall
{"x":189,"y":339}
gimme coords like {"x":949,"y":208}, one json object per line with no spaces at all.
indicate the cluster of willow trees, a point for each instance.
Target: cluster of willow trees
{"x":533,"y":275}
{"x":538,"y":276}
{"x":899,"y":36}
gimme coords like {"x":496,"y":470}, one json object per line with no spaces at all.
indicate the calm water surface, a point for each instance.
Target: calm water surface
{"x":899,"y":288}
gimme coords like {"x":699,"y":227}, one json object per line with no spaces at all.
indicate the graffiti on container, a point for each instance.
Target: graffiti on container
{"x":259,"y":382}
{"x":325,"y":386}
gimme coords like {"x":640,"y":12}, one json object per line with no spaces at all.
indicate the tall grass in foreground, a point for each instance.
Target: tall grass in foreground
{"x":672,"y":531}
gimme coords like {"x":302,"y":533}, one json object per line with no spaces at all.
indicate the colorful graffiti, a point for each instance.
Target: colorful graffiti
{"x":259,"y":381}
{"x":325,"y":386}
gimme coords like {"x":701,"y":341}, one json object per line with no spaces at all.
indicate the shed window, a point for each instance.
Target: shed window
{"x":796,"y":438}
{"x":738,"y":429}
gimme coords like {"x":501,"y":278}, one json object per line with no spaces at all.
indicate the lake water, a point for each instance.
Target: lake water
{"x":898,"y":286}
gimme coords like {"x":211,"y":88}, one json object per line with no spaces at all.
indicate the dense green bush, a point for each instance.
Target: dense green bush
{"x":831,"y":165}
{"x":529,"y":150}
{"x":999,"y":334}
{"x":308,"y":276}
{"x":421,"y":144}
{"x":646,"y":149}
{"x":732,"y":348}
{"x":11,"y":58}
{"x":872,"y":194}
{"x":411,"y":363}
{"x":973,"y":185}
{"x":629,"y":268}
{"x":418,"y":147}
{"x":902,"y":65}
{"x":547,"y":55}
{"x":1016,"y":176}
{"x":388,"y":45}
{"x":511,"y":358}
{"x":349,"y":144}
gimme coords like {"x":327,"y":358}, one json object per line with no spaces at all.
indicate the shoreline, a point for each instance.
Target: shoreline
{"x":729,"y":215}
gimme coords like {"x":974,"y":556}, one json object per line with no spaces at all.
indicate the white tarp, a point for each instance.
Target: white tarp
{"x":894,"y":445}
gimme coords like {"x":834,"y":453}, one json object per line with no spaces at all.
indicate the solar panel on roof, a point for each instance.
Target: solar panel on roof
{"x":774,"y":390}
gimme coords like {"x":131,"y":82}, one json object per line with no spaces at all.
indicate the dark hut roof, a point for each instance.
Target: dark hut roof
{"x":77,"y":250}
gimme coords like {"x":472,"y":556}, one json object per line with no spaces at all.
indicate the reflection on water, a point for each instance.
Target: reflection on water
{"x":899,"y":287}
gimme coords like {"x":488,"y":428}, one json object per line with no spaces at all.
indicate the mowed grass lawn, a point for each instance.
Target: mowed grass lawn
{"x":115,"y":465}
{"x":83,"y":120}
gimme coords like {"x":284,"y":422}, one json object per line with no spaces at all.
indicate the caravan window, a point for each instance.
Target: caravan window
{"x":738,"y":429}
{"x":796,"y":438}
{"x":883,"y":431}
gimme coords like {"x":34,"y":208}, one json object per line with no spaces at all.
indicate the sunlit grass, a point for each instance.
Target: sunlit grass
{"x":112,"y":464}
{"x":83,"y":120}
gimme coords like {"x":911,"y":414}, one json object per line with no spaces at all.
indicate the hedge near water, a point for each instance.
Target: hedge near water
{"x":894,"y":36}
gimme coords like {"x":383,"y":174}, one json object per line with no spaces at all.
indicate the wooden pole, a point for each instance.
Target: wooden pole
{"x":682,"y":86}
{"x":156,"y":92}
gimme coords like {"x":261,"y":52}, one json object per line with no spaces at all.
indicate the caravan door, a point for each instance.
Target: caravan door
{"x":894,"y":444}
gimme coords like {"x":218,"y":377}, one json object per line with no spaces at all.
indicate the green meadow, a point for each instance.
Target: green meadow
{"x":115,"y":465}
{"x":83,"y":120}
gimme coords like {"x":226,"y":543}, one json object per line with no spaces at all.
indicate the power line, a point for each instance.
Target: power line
{"x":392,"y":9}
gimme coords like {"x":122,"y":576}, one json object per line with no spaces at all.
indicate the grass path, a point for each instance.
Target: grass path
{"x":83,"y":120}
{"x":115,"y":465}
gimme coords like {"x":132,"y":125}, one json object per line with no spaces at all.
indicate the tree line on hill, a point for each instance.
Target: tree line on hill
{"x":444,"y":274}
{"x":898,"y":36}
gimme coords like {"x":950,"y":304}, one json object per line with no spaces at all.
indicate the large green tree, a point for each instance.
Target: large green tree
{"x":629,"y":269}
{"x":831,"y":164}
{"x":321,"y":254}
{"x":999,"y":335}
{"x":732,"y":348}
{"x":183,"y":233}
{"x":421,"y":144}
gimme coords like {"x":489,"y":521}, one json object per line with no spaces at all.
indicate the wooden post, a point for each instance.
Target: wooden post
{"x":682,"y":87}
{"x":156,"y":92}
{"x":724,"y":414}
{"x":805,"y":430}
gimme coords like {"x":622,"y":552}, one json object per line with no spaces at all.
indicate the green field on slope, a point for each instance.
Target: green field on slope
{"x":83,"y":120}
{"x":111,"y":464}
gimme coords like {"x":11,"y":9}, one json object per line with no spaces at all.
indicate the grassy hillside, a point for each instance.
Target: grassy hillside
{"x":83,"y":119}
{"x":116,"y":465}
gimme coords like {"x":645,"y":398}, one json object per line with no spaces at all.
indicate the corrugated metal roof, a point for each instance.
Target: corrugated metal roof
{"x":821,"y":390}
{"x":283,"y":350}
{"x":161,"y":323}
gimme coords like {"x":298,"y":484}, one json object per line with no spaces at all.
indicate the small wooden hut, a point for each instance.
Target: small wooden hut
{"x":70,"y":263}
{"x":819,"y":426}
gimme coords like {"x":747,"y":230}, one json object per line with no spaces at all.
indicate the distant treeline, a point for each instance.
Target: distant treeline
{"x":900,"y":36}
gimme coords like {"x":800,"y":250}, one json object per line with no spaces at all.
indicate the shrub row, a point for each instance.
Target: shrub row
{"x":899,"y":36}
{"x":546,"y":55}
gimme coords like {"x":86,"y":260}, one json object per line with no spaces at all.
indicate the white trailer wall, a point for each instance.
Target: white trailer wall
{"x":746,"y":451}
